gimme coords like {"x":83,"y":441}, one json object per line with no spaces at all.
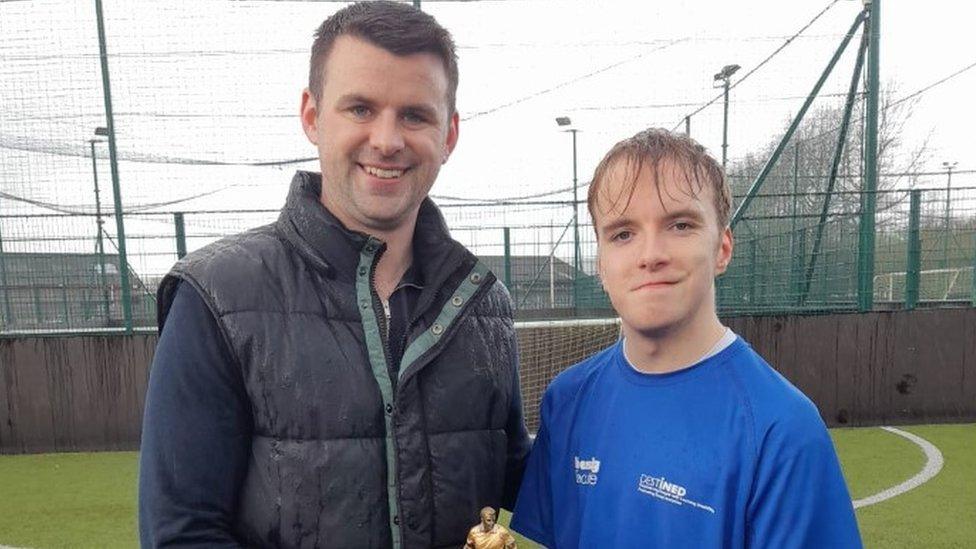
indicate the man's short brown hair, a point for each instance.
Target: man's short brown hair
{"x":651,"y":148}
{"x":398,"y":28}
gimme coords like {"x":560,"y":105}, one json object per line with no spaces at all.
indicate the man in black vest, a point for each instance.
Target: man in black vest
{"x":346,"y":376}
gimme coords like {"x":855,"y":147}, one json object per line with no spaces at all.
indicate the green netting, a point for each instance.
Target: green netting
{"x":53,"y":278}
{"x":774,"y":269}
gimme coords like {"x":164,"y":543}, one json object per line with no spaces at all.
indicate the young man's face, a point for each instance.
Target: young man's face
{"x":382,"y":128}
{"x":659,"y":254}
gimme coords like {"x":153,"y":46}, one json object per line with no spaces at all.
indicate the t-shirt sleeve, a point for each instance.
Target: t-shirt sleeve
{"x":196,"y":433}
{"x":532,"y":516}
{"x":799,"y":497}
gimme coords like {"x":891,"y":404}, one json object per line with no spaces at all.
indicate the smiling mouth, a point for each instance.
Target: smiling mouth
{"x":384,"y":173}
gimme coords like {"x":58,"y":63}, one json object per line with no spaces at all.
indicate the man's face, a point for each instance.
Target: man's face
{"x":658,"y":255}
{"x":488,"y":520}
{"x":382,"y":128}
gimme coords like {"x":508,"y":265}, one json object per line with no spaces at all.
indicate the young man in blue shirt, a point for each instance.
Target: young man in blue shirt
{"x":679,"y":435}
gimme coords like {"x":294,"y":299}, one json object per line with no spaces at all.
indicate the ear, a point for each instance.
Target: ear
{"x":309,"y":115}
{"x":724,"y":256}
{"x":452,"y":136}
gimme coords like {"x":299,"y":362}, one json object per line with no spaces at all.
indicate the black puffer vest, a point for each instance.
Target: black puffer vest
{"x":341,"y":455}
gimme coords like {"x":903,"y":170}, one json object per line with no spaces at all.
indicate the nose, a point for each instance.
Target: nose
{"x":654,"y":253}
{"x":386,"y":136}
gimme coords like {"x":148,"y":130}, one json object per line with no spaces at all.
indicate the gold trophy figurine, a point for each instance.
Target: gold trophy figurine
{"x":488,"y":534}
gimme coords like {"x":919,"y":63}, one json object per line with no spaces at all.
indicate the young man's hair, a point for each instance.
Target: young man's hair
{"x":395,"y":27}
{"x":658,"y":149}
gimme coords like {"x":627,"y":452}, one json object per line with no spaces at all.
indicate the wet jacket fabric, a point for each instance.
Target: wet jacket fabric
{"x":341,"y":453}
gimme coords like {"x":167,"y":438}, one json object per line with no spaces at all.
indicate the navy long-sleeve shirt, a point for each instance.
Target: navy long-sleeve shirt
{"x":197,"y":426}
{"x":196,"y":433}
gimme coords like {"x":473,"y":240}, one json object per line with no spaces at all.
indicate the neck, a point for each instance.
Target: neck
{"x":395,"y":261}
{"x":673,"y":348}
{"x":399,"y":248}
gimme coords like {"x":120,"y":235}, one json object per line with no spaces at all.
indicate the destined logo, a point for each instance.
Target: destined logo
{"x":670,"y":492}
{"x":586,"y":470}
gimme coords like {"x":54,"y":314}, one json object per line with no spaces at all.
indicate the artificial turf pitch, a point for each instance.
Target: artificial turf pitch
{"x":89,"y":500}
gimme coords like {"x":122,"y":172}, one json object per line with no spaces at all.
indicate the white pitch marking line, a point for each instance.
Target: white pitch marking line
{"x":933,"y":464}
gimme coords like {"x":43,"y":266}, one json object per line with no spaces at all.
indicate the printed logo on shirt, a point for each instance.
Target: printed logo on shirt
{"x":668,"y":491}
{"x":586,"y":470}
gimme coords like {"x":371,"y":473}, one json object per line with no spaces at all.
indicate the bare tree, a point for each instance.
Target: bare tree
{"x":804,"y":167}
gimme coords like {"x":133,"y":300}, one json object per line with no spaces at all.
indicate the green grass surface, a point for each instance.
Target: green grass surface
{"x":68,"y":500}
{"x":874,"y":459}
{"x":88,"y":500}
{"x":939,"y":514}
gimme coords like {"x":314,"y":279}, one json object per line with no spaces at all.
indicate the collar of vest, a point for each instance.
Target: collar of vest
{"x":313,"y":230}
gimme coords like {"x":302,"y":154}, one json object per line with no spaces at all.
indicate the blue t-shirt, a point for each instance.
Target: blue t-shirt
{"x":725,"y":453}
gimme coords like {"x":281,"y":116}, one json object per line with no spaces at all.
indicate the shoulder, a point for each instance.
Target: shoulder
{"x":496,"y":301}
{"x":769,"y":394}
{"x":242,"y":253}
{"x":780,"y":412}
{"x":231,"y":266}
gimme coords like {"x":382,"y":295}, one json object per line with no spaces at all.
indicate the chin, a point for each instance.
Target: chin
{"x":644,"y":325}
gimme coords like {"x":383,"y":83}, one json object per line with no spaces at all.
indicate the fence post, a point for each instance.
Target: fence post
{"x":914,"y":266}
{"x":866,"y":244}
{"x":799,"y":261}
{"x":65,"y":308}
{"x":8,"y":317}
{"x":753,"y":298}
{"x":508,"y":262}
{"x":180,"y":234}
{"x":973,"y":296}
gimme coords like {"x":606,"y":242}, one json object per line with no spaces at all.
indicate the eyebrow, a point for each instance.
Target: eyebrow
{"x":685,"y":212}
{"x":425,"y":110}
{"x":353,"y":98}
{"x":614,"y":225}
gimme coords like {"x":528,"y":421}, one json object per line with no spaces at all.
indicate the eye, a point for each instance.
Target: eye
{"x":621,"y":236}
{"x":359,"y":111}
{"x":414,"y":118}
{"x":682,"y":226}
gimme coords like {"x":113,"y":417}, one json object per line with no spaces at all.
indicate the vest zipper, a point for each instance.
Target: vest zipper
{"x":379,"y":312}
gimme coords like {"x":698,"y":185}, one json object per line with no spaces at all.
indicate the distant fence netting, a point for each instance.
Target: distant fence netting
{"x":791,"y":262}
{"x":57,"y":275}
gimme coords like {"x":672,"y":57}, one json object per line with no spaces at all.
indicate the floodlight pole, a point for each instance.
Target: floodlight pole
{"x":565,"y":121}
{"x":724,"y":76}
{"x":576,"y":242}
{"x":99,"y":225}
{"x":725,"y":124}
{"x":113,"y":161}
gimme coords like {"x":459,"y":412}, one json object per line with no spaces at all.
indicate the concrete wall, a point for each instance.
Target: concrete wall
{"x":875,"y":368}
{"x":87,"y":393}
{"x":72,"y":393}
